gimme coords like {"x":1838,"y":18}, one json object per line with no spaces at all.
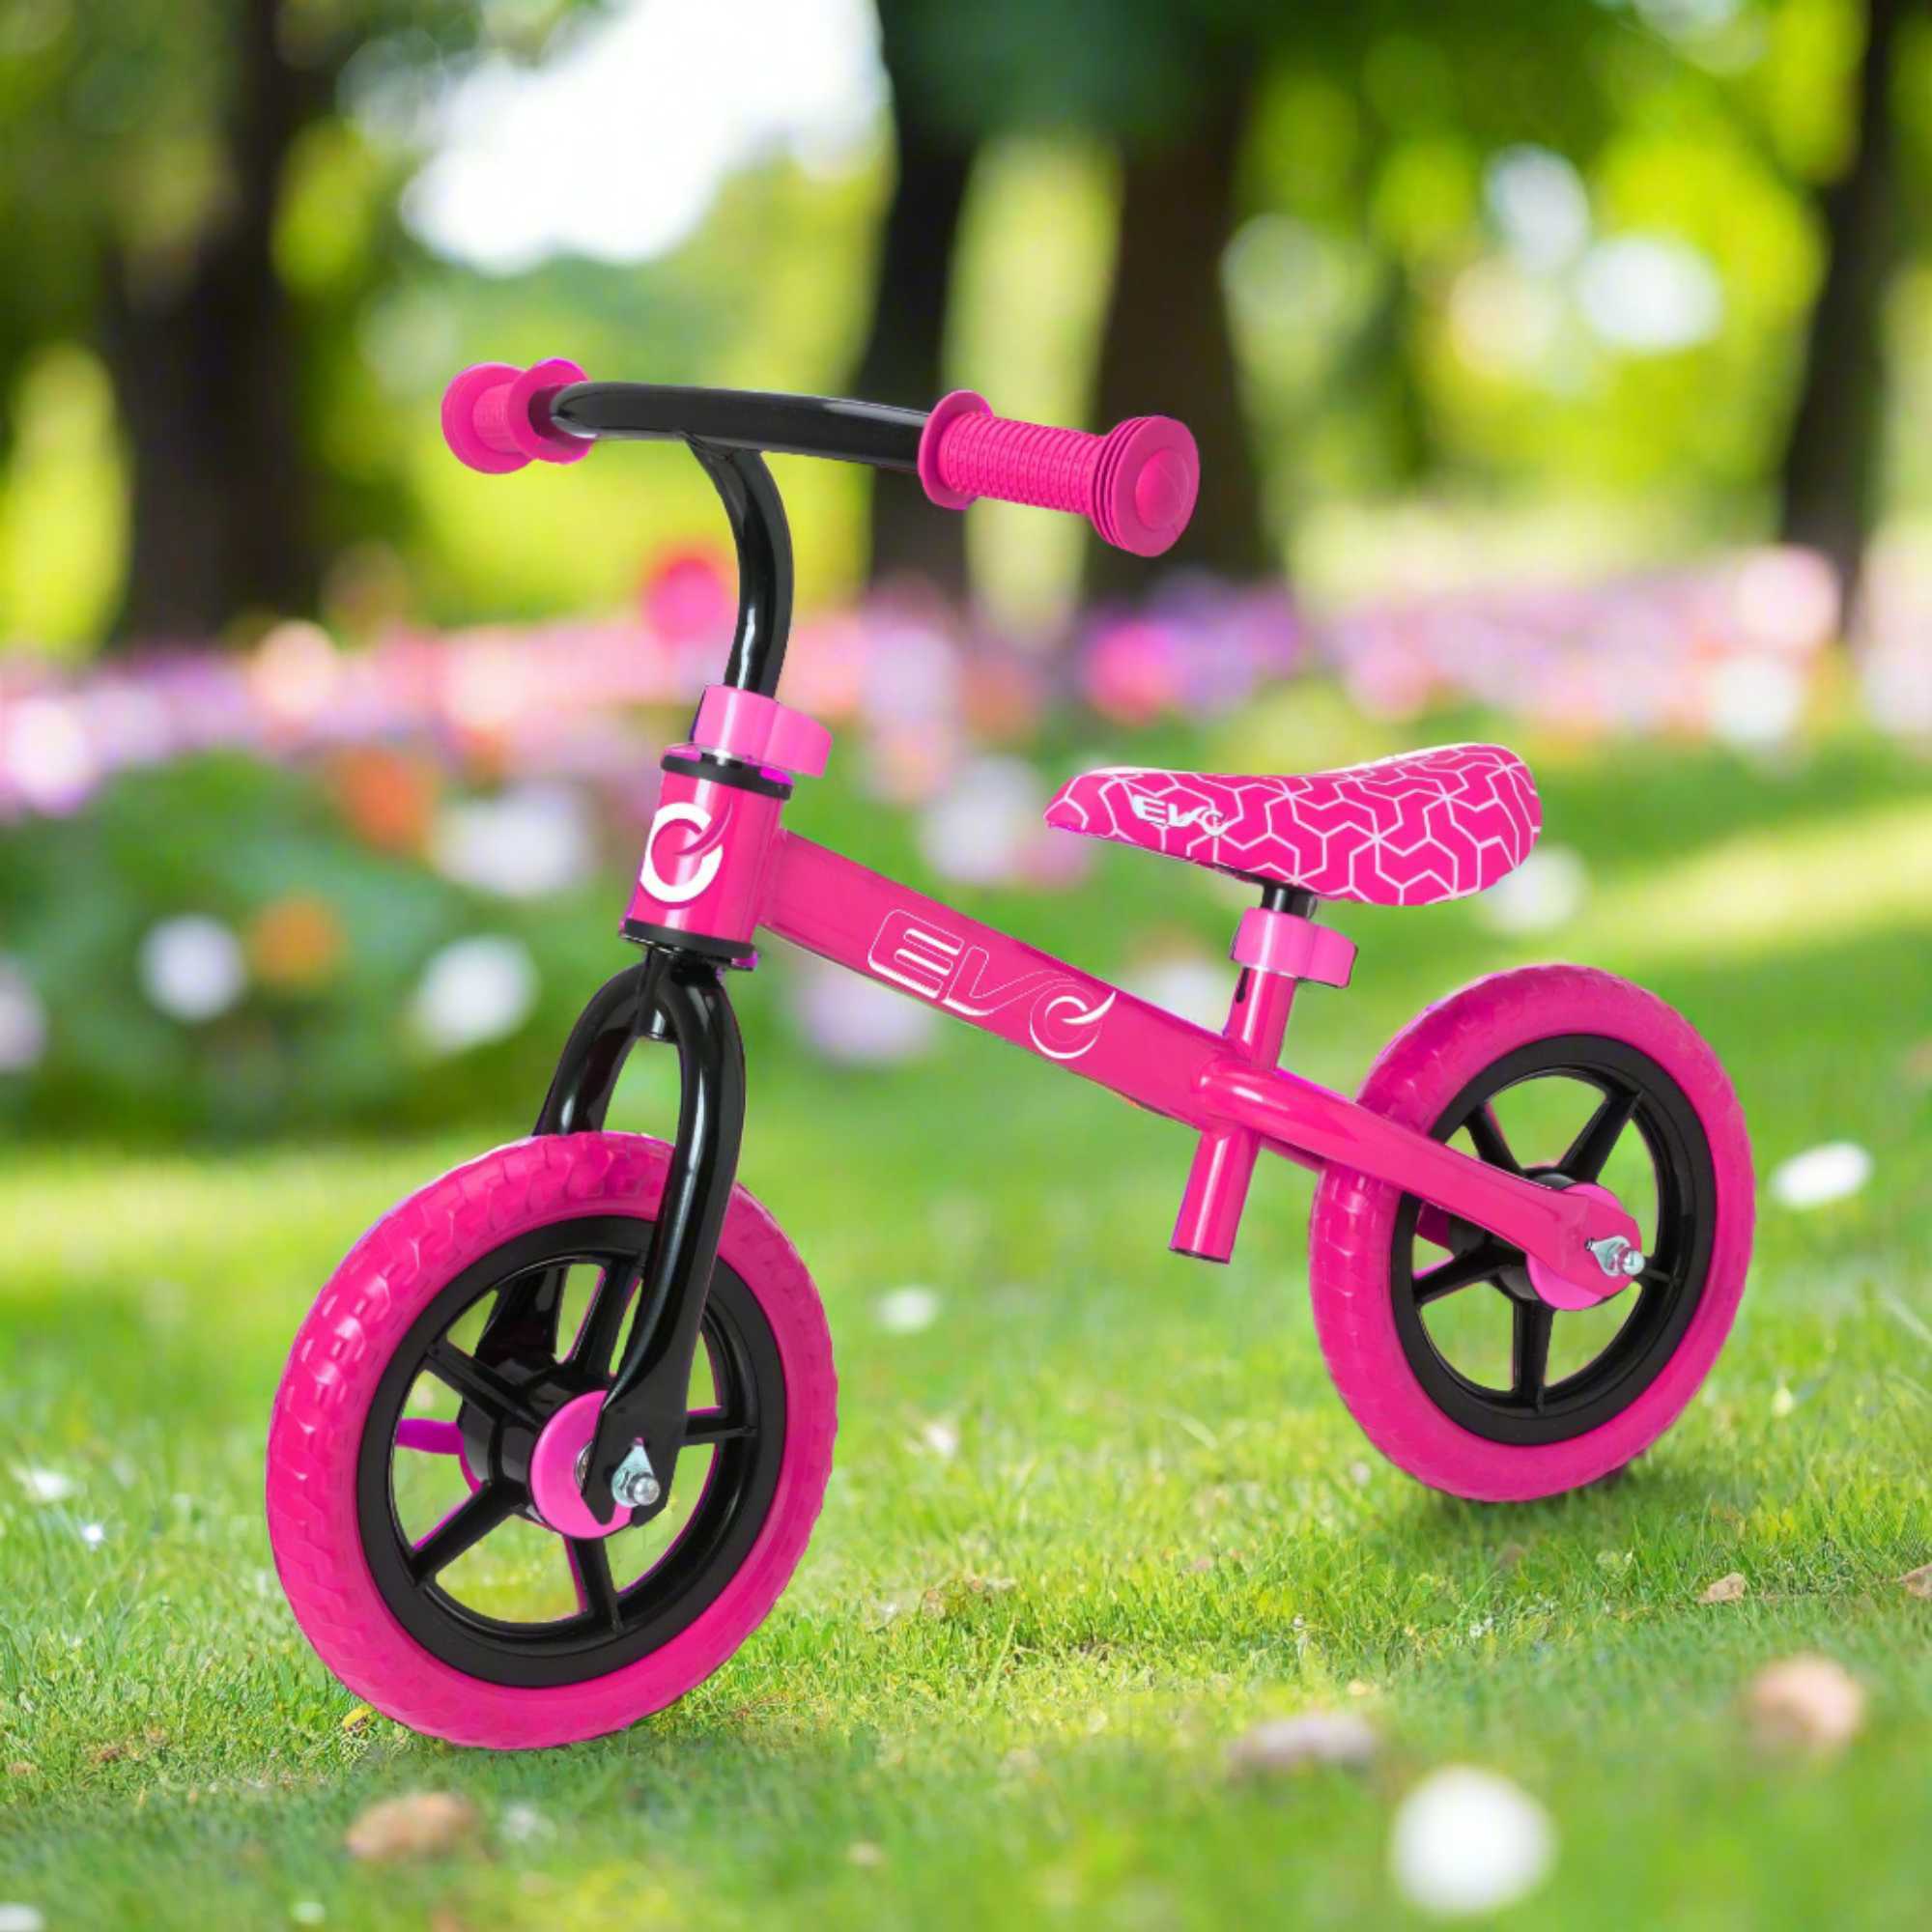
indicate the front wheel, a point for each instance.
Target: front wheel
{"x":465,"y":1337}
{"x":1454,"y":1366}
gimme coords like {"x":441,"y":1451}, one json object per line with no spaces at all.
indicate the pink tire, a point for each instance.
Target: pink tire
{"x":1421,"y":1419}
{"x":392,"y":1282}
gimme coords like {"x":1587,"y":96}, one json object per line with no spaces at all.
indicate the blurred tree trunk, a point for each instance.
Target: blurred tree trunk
{"x":1168,"y":350}
{"x":1829,"y":474}
{"x":903,"y":353}
{"x":206,"y":367}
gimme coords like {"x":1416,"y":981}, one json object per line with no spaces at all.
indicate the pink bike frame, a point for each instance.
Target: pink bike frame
{"x":719,"y":869}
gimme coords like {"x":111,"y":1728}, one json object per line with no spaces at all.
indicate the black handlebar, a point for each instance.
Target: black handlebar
{"x":876,"y":433}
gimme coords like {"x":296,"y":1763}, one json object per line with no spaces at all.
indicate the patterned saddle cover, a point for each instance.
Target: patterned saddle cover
{"x":1404,"y":831}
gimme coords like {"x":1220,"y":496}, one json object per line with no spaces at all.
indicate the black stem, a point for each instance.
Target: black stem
{"x":763,"y":538}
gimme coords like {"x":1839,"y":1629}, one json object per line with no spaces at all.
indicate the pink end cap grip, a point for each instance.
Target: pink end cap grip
{"x":1136,"y":485}
{"x":489,"y":420}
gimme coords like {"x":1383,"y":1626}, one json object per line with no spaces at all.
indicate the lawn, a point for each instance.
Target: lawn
{"x":1098,"y":1516}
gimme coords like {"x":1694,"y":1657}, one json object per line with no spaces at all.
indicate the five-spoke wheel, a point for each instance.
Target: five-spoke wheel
{"x":1436,"y":1332}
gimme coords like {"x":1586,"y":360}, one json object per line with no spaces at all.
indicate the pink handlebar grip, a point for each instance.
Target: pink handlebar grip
{"x":497,"y":419}
{"x":1136,"y":485}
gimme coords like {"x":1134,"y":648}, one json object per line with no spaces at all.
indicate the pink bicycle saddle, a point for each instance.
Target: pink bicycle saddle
{"x":1403,"y":831}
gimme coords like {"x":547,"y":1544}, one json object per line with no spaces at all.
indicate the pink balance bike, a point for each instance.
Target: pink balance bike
{"x":551,"y":1440}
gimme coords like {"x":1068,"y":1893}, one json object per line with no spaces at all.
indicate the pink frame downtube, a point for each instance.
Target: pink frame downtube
{"x":859,"y":918}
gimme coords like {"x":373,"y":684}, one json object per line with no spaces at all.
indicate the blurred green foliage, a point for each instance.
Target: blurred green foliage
{"x":1395,"y":338}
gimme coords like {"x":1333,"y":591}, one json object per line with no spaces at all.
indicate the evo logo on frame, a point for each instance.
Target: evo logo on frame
{"x":706,"y":852}
{"x":1062,"y":1020}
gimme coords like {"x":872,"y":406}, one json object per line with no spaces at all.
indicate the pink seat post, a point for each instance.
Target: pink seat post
{"x":1275,"y":950}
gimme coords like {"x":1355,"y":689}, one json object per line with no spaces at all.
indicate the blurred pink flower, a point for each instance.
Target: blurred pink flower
{"x":854,"y":1021}
{"x":690,"y":594}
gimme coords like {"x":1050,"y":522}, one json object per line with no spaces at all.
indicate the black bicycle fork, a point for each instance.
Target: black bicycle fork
{"x":678,"y":997}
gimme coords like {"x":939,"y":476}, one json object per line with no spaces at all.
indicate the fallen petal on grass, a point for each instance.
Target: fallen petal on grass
{"x":1468,"y":1842}
{"x":865,"y":1854}
{"x":1727,"y":1589}
{"x":1807,"y":1704}
{"x":907,"y":1311}
{"x":1821,"y":1174}
{"x":46,"y":1486}
{"x":1282,"y":1745}
{"x":522,"y":1823}
{"x":419,"y":1825}
{"x":1918,"y":1582}
{"x":22,"y":1919}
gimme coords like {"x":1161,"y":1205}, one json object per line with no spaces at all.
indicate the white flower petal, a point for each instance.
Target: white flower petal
{"x":907,"y":1311}
{"x":1468,"y":1842}
{"x":47,"y":1485}
{"x":1547,"y":890}
{"x":193,"y":967}
{"x":1821,"y":1174}
{"x":474,"y":991}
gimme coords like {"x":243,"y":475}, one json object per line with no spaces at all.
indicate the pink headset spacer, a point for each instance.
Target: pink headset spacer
{"x":554,"y":1489}
{"x":489,"y":421}
{"x":746,"y":725}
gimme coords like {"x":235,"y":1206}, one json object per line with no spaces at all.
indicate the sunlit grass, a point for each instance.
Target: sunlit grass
{"x":1747,"y":898}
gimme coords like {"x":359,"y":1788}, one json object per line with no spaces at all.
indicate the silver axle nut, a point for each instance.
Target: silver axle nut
{"x":1616,"y":1256}
{"x":633,"y":1483}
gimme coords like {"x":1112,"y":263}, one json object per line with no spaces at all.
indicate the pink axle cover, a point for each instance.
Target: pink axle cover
{"x":1404,"y":831}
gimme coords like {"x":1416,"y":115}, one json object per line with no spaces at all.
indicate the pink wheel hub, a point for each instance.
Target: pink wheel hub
{"x":1560,"y":1290}
{"x":553,"y":1480}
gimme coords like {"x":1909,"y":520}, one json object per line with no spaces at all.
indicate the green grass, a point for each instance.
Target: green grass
{"x":1012,"y":1671}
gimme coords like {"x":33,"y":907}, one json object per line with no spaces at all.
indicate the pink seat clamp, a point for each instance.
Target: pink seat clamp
{"x":762,"y":731}
{"x":1281,"y":942}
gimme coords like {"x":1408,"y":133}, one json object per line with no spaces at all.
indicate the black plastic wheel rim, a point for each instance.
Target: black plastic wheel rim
{"x":516,"y":1374}
{"x":1635,"y":1096}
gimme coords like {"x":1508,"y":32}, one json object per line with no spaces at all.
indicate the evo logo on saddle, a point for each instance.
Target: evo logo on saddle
{"x":1164,"y":812}
{"x":1062,"y":1022}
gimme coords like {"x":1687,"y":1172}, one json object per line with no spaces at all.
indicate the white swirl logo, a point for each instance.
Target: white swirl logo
{"x":707,"y":849}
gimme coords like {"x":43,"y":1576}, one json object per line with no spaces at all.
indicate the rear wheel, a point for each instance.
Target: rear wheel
{"x":466,"y":1336}
{"x":1438,"y":1341}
